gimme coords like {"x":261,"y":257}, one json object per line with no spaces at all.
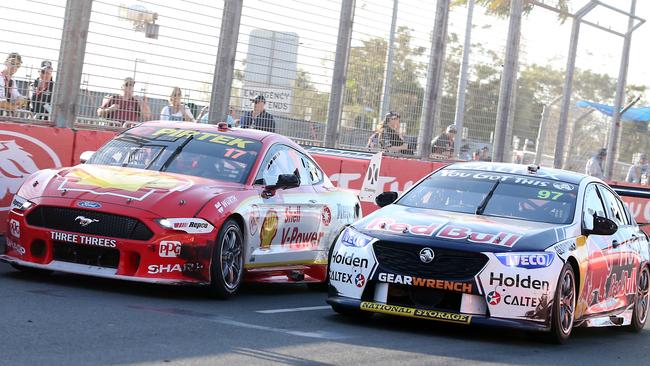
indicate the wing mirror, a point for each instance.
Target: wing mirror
{"x":285,"y":181}
{"x":603,"y":226}
{"x":386,"y":198}
{"x":85,"y":156}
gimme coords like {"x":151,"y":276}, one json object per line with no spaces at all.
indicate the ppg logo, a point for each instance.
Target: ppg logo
{"x":169,"y":249}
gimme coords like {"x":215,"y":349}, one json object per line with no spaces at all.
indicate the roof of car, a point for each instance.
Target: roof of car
{"x":248,"y":133}
{"x":519,"y":169}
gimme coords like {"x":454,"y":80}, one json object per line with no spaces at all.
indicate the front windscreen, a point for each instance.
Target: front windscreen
{"x":202,"y":154}
{"x":495,"y":194}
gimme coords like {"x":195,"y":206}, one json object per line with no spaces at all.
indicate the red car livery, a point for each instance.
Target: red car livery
{"x":183,"y":204}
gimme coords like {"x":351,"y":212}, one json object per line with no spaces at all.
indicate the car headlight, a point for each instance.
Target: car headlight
{"x":21,"y":204}
{"x":190,"y":225}
{"x":353,"y":238}
{"x":527,"y":260}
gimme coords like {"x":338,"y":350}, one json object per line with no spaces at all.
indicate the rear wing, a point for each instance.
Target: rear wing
{"x":637,"y":200}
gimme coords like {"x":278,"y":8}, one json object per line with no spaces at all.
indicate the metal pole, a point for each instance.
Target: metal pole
{"x":388,"y":78}
{"x":508,"y":80}
{"x":568,"y":83}
{"x":71,"y":61}
{"x":572,"y":136}
{"x":539,"y":144}
{"x":462,"y":79}
{"x":335,"y":108}
{"x":434,"y":77}
{"x":224,"y":68}
{"x":612,"y":146}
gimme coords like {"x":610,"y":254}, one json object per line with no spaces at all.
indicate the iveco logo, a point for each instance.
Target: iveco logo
{"x":84,"y":221}
{"x":426,"y":255}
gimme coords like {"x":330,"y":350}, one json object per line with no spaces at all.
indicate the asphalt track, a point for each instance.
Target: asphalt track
{"x":72,"y":320}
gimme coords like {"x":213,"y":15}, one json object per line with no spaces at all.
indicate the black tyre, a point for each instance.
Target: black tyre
{"x":641,"y":301}
{"x":564,"y":305}
{"x":227,"y":267}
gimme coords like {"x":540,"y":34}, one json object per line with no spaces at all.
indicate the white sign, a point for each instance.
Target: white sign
{"x":371,"y":180}
{"x":278,"y":100}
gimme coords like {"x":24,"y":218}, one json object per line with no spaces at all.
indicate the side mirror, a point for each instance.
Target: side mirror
{"x":386,"y":198}
{"x":285,"y":181}
{"x":603,"y":226}
{"x":85,"y":156}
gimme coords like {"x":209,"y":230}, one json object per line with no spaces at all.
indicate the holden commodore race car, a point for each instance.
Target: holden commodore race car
{"x":183,"y":203}
{"x":497,"y":244}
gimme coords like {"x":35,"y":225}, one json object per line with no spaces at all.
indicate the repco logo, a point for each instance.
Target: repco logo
{"x":350,"y":260}
{"x":20,"y":156}
{"x":199,"y":225}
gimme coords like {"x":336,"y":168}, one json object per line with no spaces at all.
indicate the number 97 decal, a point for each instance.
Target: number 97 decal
{"x":546,"y":195}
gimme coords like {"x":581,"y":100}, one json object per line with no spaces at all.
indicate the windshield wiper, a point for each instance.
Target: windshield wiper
{"x":176,"y":151}
{"x":483,"y":205}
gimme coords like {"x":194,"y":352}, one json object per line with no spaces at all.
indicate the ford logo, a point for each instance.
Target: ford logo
{"x":426,"y":255}
{"x":84,"y":221}
{"x":89,"y":204}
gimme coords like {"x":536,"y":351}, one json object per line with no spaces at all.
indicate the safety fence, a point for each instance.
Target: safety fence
{"x":286,"y":52}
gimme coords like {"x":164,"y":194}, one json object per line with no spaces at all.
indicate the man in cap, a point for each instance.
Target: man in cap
{"x":41,"y":101}
{"x":594,"y":165}
{"x":443,"y":144}
{"x":125,"y":107}
{"x":258,"y":118}
{"x":10,"y":98}
{"x":638,"y":170}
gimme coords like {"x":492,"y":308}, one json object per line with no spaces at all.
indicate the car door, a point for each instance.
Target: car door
{"x":288,"y":217}
{"x":623,"y":258}
{"x":593,"y":299}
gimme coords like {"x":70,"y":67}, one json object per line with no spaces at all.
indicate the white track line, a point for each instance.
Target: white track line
{"x":291,"y":310}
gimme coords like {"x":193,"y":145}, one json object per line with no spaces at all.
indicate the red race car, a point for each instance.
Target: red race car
{"x":183,"y":203}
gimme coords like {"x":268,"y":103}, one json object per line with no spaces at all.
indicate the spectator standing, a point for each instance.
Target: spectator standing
{"x":258,"y":118}
{"x":484,"y":155}
{"x":594,"y":165}
{"x":41,"y":101}
{"x":391,"y":139}
{"x":10,"y":98}
{"x":443,"y":144}
{"x":125,"y":107}
{"x":176,"y":111}
{"x":638,"y":170}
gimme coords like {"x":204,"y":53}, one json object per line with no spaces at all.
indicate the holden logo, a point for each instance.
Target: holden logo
{"x":84,"y":221}
{"x":493,"y":298}
{"x":426,"y":255}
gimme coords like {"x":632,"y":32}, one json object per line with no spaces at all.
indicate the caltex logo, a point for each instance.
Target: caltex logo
{"x":494,"y":298}
{"x":360,"y":280}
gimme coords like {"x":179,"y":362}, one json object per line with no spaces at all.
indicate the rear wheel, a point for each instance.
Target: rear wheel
{"x":564,"y":305}
{"x":227,"y":266}
{"x":641,"y":302}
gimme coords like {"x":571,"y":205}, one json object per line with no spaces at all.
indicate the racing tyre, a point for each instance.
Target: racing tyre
{"x":227,"y":267}
{"x":564,"y":305}
{"x":642,"y":301}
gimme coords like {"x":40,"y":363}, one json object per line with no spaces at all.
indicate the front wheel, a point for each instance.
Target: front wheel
{"x":642,"y":301}
{"x":564,"y":305}
{"x":227,"y":267}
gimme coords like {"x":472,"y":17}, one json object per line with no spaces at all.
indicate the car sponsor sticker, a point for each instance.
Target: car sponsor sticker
{"x":269,"y":229}
{"x":14,"y":228}
{"x":391,"y":225}
{"x":353,"y":238}
{"x":169,"y":249}
{"x":416,"y":313}
{"x":191,"y":225}
{"x":326,"y":215}
{"x":172,"y":268}
{"x":222,"y":205}
{"x":83,"y":239}
{"x":526,"y":260}
{"x":350,"y":268}
{"x":254,"y":219}
{"x":425,"y":282}
{"x":12,"y":245}
{"x":462,"y":233}
{"x":216,"y":138}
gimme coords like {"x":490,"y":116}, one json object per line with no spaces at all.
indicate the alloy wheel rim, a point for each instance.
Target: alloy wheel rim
{"x":567,"y":303}
{"x":231,"y":259}
{"x":643,"y":296}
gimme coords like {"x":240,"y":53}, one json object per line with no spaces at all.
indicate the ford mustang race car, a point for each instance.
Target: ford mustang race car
{"x":497,"y":244}
{"x":183,"y":204}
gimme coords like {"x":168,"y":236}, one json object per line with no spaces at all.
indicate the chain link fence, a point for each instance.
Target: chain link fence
{"x":286,"y":52}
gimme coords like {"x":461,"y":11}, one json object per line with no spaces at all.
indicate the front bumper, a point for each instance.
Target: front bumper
{"x":435,"y":315}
